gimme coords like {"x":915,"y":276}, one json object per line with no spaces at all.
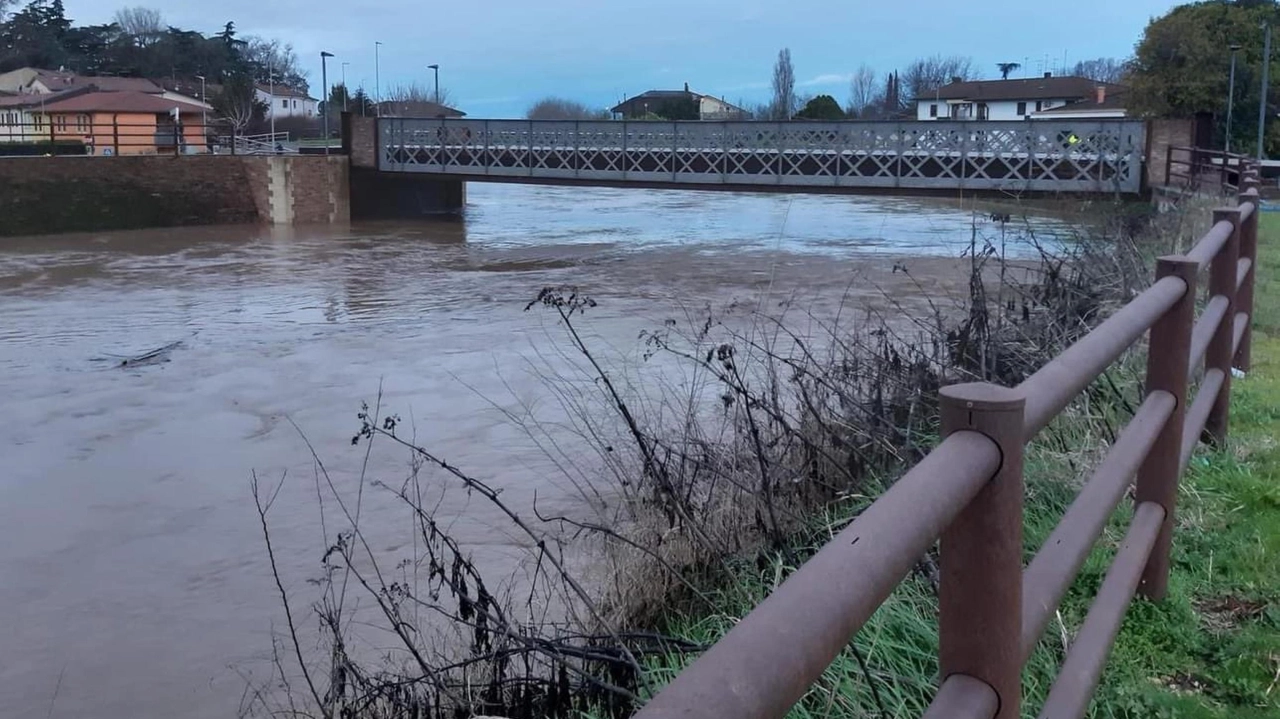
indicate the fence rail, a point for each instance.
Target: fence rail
{"x":1040,"y":156}
{"x":117,"y":139}
{"x":968,"y":493}
{"x":1195,"y":169}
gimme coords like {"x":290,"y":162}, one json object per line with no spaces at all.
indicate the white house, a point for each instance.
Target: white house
{"x":1022,"y":99}
{"x":283,"y":101}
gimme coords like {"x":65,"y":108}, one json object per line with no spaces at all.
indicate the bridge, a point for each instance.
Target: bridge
{"x":1034,"y":156}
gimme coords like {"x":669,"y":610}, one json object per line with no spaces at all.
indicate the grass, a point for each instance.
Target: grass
{"x":1210,"y":650}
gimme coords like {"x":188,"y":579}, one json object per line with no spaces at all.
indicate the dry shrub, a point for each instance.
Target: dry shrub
{"x":768,"y":425}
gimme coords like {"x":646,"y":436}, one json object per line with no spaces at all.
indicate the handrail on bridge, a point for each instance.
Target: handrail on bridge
{"x":968,"y":492}
{"x":1193,"y":167}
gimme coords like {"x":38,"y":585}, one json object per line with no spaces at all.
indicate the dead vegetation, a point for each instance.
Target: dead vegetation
{"x":767,"y":424}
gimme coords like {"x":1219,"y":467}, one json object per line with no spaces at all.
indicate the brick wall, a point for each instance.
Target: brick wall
{"x":360,"y":140}
{"x":44,"y":195}
{"x":1161,"y":135}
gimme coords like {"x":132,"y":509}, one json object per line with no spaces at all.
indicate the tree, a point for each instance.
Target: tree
{"x":1103,"y":69}
{"x":237,"y":103}
{"x":413,"y":92}
{"x":889,"y":101}
{"x":1007,"y":67}
{"x":862,"y":91}
{"x":1182,"y":64}
{"x":268,"y":57}
{"x":558,"y":108}
{"x":361,"y":103}
{"x":144,"y":25}
{"x":784,"y":86}
{"x":678,"y":108}
{"x":822,"y":107}
{"x":925,"y":75}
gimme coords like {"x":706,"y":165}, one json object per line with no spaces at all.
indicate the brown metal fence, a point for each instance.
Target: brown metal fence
{"x":87,"y":136}
{"x":1196,"y":168}
{"x":968,"y":492}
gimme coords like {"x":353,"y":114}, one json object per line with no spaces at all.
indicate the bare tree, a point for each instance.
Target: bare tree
{"x":237,"y":103}
{"x":862,"y":90}
{"x":4,"y":7}
{"x":559,"y":108}
{"x":784,"y":86}
{"x":1006,"y":68}
{"x":928,"y":74}
{"x":413,"y":92}
{"x":145,"y":25}
{"x":270,"y":57}
{"x":1103,"y":69}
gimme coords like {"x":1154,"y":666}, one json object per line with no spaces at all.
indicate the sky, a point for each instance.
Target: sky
{"x":497,"y":57}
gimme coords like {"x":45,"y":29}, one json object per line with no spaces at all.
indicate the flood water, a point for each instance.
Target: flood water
{"x":133,"y":581}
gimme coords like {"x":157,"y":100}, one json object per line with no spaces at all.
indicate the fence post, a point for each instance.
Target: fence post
{"x":980,"y":596}
{"x":1249,"y":190}
{"x":1222,"y":281}
{"x":1168,"y":360}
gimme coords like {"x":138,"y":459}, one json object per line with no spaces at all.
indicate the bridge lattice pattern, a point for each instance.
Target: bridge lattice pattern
{"x":1042,"y":156}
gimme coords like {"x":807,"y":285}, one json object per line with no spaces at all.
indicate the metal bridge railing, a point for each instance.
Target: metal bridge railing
{"x":1041,"y":155}
{"x":968,"y":492}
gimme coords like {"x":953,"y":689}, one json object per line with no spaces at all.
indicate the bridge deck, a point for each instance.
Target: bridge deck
{"x":1034,"y":156}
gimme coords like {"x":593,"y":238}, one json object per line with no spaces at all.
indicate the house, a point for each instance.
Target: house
{"x":678,"y":104}
{"x":1021,"y":99}
{"x":125,"y":123}
{"x":37,"y":81}
{"x":285,"y":101}
{"x":22,"y":118}
{"x":1108,"y":102}
{"x":417,"y":108}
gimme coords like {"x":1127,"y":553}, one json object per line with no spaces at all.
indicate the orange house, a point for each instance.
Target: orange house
{"x":128,"y":123}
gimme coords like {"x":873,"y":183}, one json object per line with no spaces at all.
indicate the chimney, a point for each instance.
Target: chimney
{"x":1101,"y":91}
{"x":1048,"y":74}
{"x":955,"y":79}
{"x":686,"y":87}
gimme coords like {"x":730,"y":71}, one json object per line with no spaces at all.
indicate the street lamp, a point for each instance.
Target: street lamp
{"x":437,"y":71}
{"x":204,"y":112}
{"x":324,"y":80}
{"x":346,"y":92}
{"x":377,"y":80}
{"x":1231,"y":98}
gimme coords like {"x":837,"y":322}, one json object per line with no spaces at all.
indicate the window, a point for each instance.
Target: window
{"x":982,"y":111}
{"x":295,"y":104}
{"x":1039,"y":105}
{"x":284,"y":104}
{"x":933,"y":111}
{"x":82,"y":123}
{"x":60,"y":122}
{"x":39,"y":122}
{"x":1022,"y":109}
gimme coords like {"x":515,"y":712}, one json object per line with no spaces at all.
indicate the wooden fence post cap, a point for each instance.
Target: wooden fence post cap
{"x":983,"y":396}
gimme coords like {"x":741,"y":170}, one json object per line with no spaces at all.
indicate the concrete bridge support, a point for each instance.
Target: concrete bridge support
{"x":379,"y":195}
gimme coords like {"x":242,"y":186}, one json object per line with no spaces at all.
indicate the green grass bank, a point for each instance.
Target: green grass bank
{"x":1210,"y":650}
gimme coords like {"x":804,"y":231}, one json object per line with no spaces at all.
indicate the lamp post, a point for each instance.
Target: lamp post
{"x":1231,"y":98}
{"x":204,"y":112}
{"x":346,"y":92}
{"x":324,"y":80}
{"x":377,"y":80}
{"x":271,"y":101}
{"x":1266,"y":77}
{"x":436,"y":68}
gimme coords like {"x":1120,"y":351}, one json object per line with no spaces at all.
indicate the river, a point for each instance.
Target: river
{"x":134,"y":578}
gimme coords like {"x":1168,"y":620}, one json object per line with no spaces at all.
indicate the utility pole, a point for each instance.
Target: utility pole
{"x":1231,"y":98}
{"x":1266,"y":81}
{"x":345,"y":91}
{"x":377,"y":80}
{"x":324,"y":80}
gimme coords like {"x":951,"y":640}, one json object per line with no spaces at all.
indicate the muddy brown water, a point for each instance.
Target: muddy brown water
{"x":133,"y":581}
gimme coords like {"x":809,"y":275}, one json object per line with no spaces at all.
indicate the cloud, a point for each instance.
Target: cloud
{"x":830,"y":78}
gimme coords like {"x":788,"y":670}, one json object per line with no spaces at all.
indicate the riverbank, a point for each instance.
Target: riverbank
{"x":1211,"y":650}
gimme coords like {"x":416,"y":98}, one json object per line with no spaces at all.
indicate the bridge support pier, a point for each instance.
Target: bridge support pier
{"x":403,"y":196}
